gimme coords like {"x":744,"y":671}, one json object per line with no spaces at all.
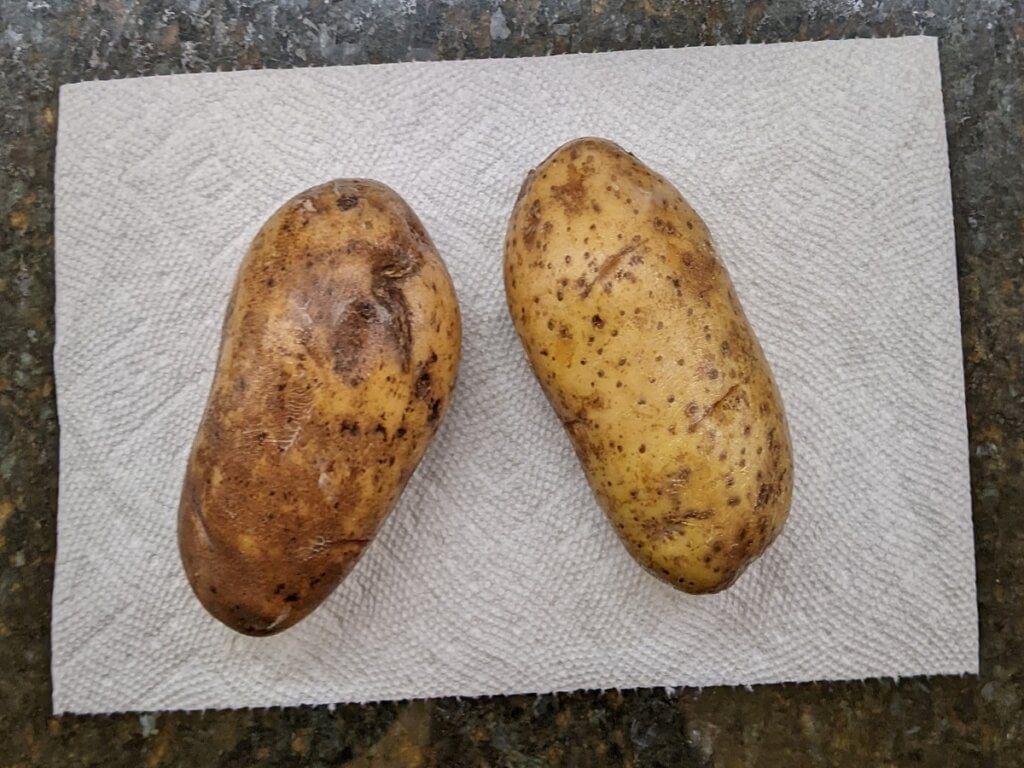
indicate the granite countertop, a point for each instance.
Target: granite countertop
{"x":932,"y":722}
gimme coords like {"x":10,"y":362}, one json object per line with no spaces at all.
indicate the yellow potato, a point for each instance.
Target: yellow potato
{"x":631,"y":324}
{"x":339,"y":353}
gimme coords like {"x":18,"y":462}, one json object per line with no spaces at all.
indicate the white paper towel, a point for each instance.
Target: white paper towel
{"x":821,"y":170}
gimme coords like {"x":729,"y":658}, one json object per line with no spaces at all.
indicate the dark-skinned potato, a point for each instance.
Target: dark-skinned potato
{"x":338,"y":357}
{"x":631,"y":325}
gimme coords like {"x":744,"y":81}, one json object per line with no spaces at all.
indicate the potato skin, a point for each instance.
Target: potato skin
{"x":632,"y":327}
{"x":339,"y":353}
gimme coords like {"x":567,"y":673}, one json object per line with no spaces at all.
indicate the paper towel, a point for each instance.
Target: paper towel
{"x":821,"y":170}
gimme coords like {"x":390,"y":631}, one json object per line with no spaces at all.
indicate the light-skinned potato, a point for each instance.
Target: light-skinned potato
{"x":634,"y":331}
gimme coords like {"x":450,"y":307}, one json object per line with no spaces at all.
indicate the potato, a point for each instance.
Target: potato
{"x":632,"y":327}
{"x":339,"y":354}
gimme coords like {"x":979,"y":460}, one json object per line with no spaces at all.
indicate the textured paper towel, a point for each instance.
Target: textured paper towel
{"x":821,"y":170}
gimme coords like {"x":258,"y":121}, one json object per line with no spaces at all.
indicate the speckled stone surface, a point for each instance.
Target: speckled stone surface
{"x":930,"y":722}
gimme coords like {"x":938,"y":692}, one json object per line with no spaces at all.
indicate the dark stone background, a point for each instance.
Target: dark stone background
{"x":931,"y":722}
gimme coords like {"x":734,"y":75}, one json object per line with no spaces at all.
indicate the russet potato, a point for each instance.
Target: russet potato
{"x":339,"y":353}
{"x":633,"y":329}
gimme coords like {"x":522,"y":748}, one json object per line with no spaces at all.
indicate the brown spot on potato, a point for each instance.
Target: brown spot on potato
{"x":435,"y":410}
{"x":572,"y":194}
{"x":422,"y":388}
{"x":608,"y":266}
{"x":532,"y":223}
{"x":660,"y":225}
{"x":698,"y":514}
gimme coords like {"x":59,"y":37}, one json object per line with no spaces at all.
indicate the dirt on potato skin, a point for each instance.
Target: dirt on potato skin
{"x":339,"y":353}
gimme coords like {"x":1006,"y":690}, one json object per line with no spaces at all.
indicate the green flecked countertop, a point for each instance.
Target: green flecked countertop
{"x":931,"y":722}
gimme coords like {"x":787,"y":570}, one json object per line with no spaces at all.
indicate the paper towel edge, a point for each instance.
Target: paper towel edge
{"x":675,"y":689}
{"x":60,"y":398}
{"x":949,"y":225}
{"x":84,"y":85}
